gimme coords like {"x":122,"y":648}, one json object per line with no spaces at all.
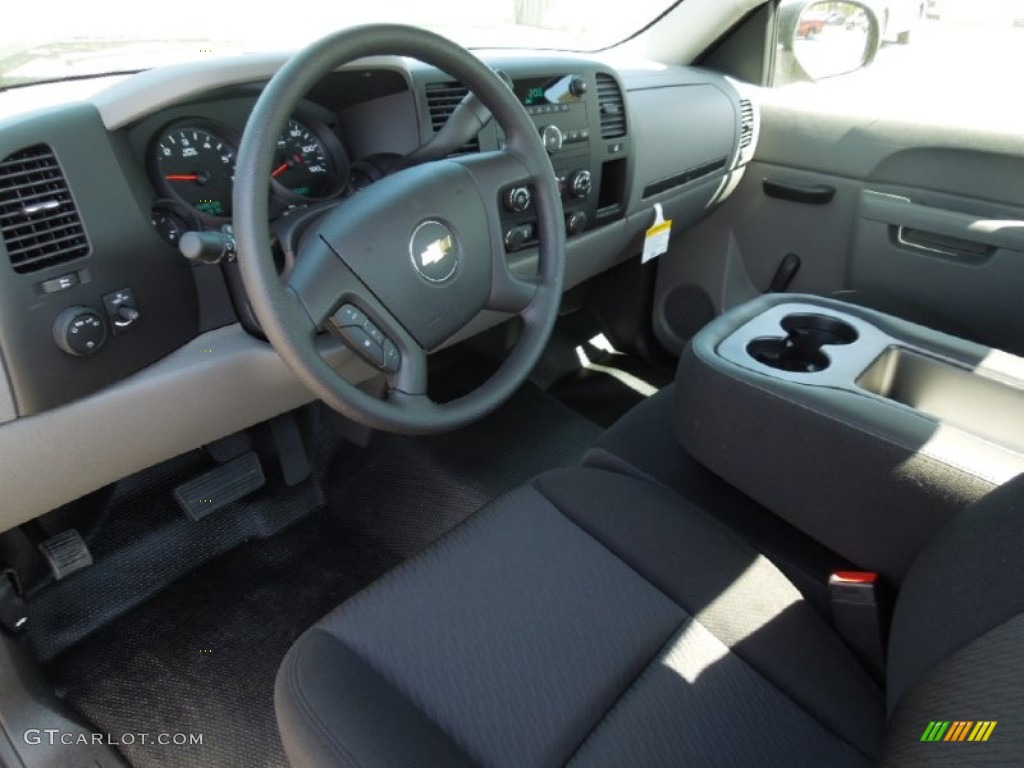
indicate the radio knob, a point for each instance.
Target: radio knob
{"x":518,"y":199}
{"x":552,"y":137}
{"x":580,"y":184}
{"x":575,"y":222}
{"x":577,"y":86}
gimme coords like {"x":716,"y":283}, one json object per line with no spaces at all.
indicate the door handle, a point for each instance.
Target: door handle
{"x":800,"y":192}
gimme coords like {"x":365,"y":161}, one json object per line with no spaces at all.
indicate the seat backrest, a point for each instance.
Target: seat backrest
{"x":956,"y":651}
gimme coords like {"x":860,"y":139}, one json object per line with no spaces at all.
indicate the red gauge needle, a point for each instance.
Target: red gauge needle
{"x":279,"y":170}
{"x":183,"y":177}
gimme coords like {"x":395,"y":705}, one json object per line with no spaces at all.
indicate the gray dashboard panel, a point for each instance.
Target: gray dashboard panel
{"x":221,"y":382}
{"x":159,"y":412}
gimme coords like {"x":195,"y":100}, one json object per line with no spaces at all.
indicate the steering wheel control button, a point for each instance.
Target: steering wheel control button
{"x":121,"y":310}
{"x":434,"y":251}
{"x":392,"y":357}
{"x":364,"y":345}
{"x":79,"y":331}
{"x":349,"y":316}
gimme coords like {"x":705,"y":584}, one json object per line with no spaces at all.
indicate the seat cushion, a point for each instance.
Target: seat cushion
{"x":588,"y":618}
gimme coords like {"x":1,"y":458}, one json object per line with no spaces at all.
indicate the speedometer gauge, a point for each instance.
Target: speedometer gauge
{"x":305,"y":165}
{"x":196,"y":164}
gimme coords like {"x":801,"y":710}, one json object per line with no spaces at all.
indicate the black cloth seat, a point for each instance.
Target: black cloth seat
{"x":596,"y":619}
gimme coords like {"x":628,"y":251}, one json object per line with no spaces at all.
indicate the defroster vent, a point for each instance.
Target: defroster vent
{"x":611,"y":107}
{"x":39,"y":222}
{"x":442,"y":99}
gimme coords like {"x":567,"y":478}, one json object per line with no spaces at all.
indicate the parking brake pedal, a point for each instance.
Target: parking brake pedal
{"x":66,"y":554}
{"x":220,"y":486}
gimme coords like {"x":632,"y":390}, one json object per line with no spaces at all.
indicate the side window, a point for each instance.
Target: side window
{"x":937,"y":61}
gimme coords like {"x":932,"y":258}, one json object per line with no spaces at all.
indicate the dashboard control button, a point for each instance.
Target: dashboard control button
{"x":79,"y":331}
{"x":575,"y":222}
{"x":518,"y":199}
{"x":580,"y":184}
{"x":122,"y":311}
{"x":551,"y":136}
{"x":516,"y":237}
{"x":58,"y":284}
{"x":578,"y":86}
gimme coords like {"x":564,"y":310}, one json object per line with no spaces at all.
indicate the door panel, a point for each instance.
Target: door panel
{"x":928,"y":220}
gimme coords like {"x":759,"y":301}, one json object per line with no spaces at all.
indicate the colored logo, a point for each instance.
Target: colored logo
{"x":958,"y":730}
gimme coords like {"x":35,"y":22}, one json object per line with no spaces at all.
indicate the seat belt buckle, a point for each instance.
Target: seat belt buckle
{"x":857,"y":615}
{"x":13,"y":608}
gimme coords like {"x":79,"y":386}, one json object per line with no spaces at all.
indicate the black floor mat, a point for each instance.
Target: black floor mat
{"x":605,"y":385}
{"x":408,"y":491}
{"x":200,"y":656}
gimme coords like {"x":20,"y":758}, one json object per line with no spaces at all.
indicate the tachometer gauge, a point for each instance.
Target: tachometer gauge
{"x":196,"y":164}
{"x":305,"y":165}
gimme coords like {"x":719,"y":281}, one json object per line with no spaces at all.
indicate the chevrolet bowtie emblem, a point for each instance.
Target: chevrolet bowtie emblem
{"x":436,"y":251}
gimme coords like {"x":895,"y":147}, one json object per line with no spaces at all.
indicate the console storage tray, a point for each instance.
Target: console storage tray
{"x":864,"y":430}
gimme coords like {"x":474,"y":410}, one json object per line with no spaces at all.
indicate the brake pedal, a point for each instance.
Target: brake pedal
{"x":220,"y":486}
{"x":66,"y":553}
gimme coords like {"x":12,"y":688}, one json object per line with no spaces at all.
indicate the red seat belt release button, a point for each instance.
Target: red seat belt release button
{"x":857,"y":615}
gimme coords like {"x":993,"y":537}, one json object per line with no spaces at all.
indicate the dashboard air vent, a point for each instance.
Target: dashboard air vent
{"x":746,"y":123}
{"x":442,"y":99}
{"x":613,"y":111}
{"x":38,"y":220}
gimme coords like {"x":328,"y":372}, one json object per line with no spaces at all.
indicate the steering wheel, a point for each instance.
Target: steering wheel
{"x":404,"y":264}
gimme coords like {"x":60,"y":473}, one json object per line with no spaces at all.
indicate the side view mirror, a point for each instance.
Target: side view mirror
{"x":823,"y":39}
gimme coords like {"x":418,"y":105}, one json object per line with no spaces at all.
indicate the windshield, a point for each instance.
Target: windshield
{"x":69,"y":38}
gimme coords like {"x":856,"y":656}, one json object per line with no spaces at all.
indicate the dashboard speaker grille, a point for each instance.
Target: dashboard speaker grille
{"x":39,"y":222}
{"x":746,"y":123}
{"x":611,"y":107}
{"x":442,"y":99}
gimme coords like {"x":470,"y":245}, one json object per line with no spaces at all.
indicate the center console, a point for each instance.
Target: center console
{"x":864,"y":430}
{"x":579,"y":112}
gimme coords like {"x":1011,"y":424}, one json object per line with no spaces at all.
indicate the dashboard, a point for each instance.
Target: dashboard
{"x":106,"y":328}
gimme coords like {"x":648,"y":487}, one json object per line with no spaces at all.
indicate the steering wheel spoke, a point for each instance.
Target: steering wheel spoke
{"x":510,"y":292}
{"x":321,"y":281}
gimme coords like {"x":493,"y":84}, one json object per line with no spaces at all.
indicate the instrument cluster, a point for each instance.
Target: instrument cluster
{"x":192,"y":164}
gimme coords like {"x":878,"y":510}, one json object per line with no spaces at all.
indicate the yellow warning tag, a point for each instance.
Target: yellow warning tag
{"x":657,"y":237}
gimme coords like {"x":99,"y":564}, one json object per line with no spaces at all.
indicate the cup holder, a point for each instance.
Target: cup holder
{"x":799,"y":351}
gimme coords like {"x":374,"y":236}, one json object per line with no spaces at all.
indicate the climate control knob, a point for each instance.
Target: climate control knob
{"x":518,"y":199}
{"x":580,"y":184}
{"x":575,"y":223}
{"x":551,"y":136}
{"x":79,"y":331}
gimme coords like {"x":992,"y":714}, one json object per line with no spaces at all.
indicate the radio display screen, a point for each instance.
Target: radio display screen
{"x":538,"y":91}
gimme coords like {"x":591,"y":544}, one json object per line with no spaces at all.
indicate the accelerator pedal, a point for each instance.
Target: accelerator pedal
{"x":220,"y":486}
